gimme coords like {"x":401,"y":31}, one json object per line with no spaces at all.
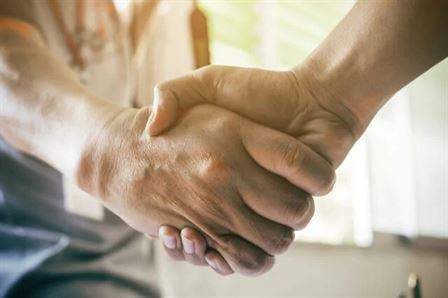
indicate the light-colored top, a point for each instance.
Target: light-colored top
{"x":41,"y":240}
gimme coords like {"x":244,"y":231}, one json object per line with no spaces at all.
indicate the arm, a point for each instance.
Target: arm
{"x":377,"y":49}
{"x":327,"y":101}
{"x":198,"y":175}
{"x":37,"y":112}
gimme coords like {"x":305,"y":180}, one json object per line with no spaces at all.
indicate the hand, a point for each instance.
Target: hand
{"x":200,"y":175}
{"x":288,"y":101}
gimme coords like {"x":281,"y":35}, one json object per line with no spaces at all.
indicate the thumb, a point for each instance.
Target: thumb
{"x":164,"y":111}
{"x":171,"y":99}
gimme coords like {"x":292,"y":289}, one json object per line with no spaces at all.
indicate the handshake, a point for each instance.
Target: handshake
{"x":224,"y":165}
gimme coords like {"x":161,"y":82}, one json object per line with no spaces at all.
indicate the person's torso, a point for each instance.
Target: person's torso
{"x":35,"y":226}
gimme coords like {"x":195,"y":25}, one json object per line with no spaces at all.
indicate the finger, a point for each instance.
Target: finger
{"x":194,"y":246}
{"x":217,"y":263}
{"x":235,"y":217}
{"x":242,"y":256}
{"x":269,"y":236}
{"x":172,"y":242}
{"x":220,"y":232}
{"x":275,"y":198}
{"x":225,"y":212}
{"x":288,"y":157}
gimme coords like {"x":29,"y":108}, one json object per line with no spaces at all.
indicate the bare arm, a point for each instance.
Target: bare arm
{"x":44,"y":109}
{"x":379,"y":47}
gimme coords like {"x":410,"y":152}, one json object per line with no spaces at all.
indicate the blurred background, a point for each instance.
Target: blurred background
{"x":395,"y":180}
{"x":385,"y":221}
{"x":388,"y":214}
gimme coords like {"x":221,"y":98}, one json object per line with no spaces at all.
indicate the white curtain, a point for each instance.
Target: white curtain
{"x":408,"y":159}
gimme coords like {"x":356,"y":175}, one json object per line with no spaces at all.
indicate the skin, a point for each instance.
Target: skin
{"x":212,"y":172}
{"x":199,"y":175}
{"x":327,"y":101}
{"x":323,"y":105}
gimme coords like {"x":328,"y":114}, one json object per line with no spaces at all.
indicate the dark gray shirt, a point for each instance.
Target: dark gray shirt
{"x":44,"y":250}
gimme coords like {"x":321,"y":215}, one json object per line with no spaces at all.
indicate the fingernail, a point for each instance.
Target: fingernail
{"x":188,"y":245}
{"x":169,"y":241}
{"x":212,"y":263}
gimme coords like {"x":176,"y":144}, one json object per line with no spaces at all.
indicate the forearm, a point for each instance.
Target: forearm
{"x":44,"y":111}
{"x":378,"y":48}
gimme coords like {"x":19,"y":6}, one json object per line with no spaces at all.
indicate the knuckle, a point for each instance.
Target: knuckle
{"x":214,"y":167}
{"x":163,"y":85}
{"x":325,"y":182}
{"x":247,"y":260}
{"x":255,"y":264}
{"x":209,"y":68}
{"x":292,"y":155}
{"x":206,"y":74}
{"x":295,"y":212}
{"x":297,"y":162}
{"x":280,"y":244}
{"x":301,"y":213}
{"x":208,"y":71}
{"x":223,"y":123}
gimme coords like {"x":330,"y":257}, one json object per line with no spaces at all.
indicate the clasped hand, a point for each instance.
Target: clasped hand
{"x":202,"y":161}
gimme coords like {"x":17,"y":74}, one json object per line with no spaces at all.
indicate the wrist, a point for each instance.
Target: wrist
{"x":88,"y":121}
{"x":344,"y":83}
{"x":328,"y":97}
{"x":108,"y":150}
